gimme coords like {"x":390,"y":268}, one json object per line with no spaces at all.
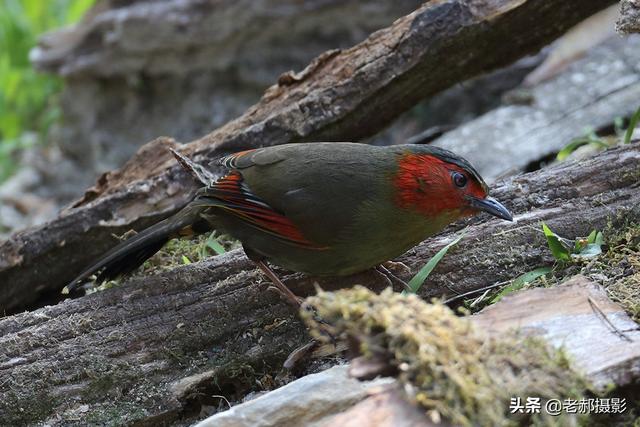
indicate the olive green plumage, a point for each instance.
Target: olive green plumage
{"x":323,"y":208}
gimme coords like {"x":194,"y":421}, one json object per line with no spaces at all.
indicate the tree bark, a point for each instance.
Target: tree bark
{"x":594,"y":91}
{"x":341,"y":95}
{"x":629,"y":19}
{"x":153,"y":349}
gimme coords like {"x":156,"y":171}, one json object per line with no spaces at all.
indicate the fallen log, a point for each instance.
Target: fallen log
{"x":341,"y":95}
{"x":591,"y":94}
{"x":567,"y":317}
{"x":629,"y":19}
{"x":157,"y":348}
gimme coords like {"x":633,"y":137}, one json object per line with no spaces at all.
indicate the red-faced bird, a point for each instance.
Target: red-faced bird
{"x":325,"y":209}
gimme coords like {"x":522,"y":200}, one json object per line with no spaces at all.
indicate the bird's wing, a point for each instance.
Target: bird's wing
{"x":257,"y":156}
{"x":319,"y":187}
{"x":233,"y":195}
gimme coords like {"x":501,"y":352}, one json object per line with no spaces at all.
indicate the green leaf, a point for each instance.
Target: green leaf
{"x":416,"y":282}
{"x":559,"y":251}
{"x":599,"y":239}
{"x":28,"y":100}
{"x":632,"y":125}
{"x":519,"y":282}
{"x":589,"y":251}
{"x":185,"y":260}
{"x":591,"y":247}
{"x":576,"y":143}
{"x":214,"y":245}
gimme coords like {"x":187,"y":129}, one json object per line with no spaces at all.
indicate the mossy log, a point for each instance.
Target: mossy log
{"x":343,"y":95}
{"x":157,"y":348}
{"x":505,"y":351}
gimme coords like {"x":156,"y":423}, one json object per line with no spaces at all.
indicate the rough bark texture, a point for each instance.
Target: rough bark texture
{"x":341,"y":95}
{"x":629,"y":20}
{"x":146,"y":350}
{"x":143,"y":352}
{"x":602,"y":342}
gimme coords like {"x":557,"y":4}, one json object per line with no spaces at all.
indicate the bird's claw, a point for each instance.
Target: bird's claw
{"x":397,"y":267}
{"x":294,"y":300}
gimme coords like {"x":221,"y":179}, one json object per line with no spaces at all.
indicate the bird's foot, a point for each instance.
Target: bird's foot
{"x":286,"y":293}
{"x":325,"y":345}
{"x":313,"y":346}
{"x":390,"y":276}
{"x":299,"y":353}
{"x":295,"y":301}
{"x":397,"y":267}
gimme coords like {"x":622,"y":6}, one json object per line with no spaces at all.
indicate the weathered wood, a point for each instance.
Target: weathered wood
{"x":146,"y":351}
{"x":126,"y":351}
{"x":591,"y":94}
{"x":388,"y":408}
{"x":342,"y":95}
{"x":629,"y":20}
{"x":202,"y":63}
{"x":310,"y":400}
{"x":602,"y":342}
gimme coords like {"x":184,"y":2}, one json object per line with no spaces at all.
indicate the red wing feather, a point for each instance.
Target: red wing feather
{"x":236,"y":198}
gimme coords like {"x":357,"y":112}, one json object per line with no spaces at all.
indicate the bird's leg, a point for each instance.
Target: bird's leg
{"x":280,"y":287}
{"x":295,"y":301}
{"x":397,"y":267}
{"x":391,"y":277}
{"x":312,"y":345}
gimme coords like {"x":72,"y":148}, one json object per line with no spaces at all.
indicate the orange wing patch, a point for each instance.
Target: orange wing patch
{"x":236,"y":198}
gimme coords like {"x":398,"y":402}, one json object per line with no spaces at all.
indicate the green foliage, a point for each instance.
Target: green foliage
{"x":520,"y":281}
{"x":633,"y":122}
{"x":589,"y":247}
{"x":556,"y":245}
{"x":565,"y":250}
{"x":416,"y":282}
{"x":622,"y":136}
{"x":213,"y":244}
{"x":28,"y":102}
{"x":591,"y":139}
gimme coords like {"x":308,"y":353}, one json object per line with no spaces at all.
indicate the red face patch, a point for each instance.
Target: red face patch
{"x":424,"y":183}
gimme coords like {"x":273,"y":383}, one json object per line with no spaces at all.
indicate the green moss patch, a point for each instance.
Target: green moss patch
{"x":619,"y":270}
{"x":187,"y":250}
{"x":444,"y":363}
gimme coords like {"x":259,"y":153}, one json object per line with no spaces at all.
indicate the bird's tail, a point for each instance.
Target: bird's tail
{"x":131,"y":253}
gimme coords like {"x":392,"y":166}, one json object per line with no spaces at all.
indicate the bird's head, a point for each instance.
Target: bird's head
{"x":435,"y":181}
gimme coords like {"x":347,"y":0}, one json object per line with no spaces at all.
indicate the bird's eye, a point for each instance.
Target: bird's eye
{"x":459,"y":179}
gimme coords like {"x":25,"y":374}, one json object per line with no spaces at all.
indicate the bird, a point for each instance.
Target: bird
{"x":323,"y":209}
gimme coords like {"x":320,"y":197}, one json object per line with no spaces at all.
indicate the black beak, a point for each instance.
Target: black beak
{"x":490,"y":205}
